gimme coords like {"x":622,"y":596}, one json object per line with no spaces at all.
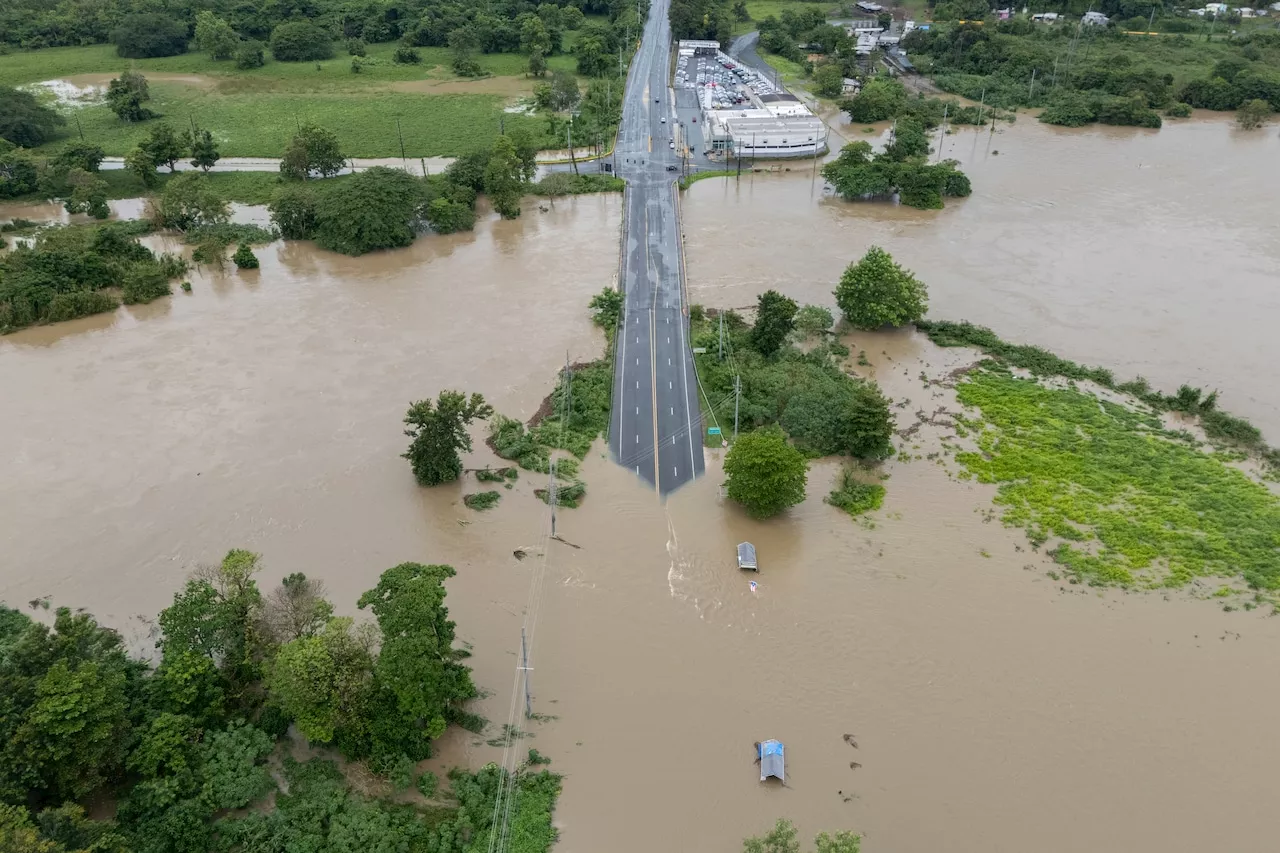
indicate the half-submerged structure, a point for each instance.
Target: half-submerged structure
{"x":747,"y":557}
{"x":771,"y":760}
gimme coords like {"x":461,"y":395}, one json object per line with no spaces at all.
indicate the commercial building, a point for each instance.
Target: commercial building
{"x":743,"y":113}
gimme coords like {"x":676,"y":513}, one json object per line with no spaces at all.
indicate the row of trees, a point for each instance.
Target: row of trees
{"x":179,"y":743}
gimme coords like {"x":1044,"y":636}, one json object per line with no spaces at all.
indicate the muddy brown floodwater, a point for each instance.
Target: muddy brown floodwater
{"x":994,"y":709}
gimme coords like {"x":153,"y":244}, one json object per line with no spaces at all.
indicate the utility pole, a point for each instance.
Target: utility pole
{"x":568,"y":132}
{"x":981,"y":103}
{"x":1151,"y":21}
{"x":1032,"y":92}
{"x":722,"y":337}
{"x":737,"y":396}
{"x":401,"y":137}
{"x":524,"y":658}
{"x":942,"y":131}
{"x":79,"y":128}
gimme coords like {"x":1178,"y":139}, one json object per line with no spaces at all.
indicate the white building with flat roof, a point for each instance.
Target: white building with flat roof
{"x":758,"y":133}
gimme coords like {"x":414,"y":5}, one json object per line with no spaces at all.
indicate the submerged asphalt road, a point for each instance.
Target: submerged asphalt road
{"x":656,"y":427}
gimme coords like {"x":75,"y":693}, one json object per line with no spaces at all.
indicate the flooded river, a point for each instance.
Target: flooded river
{"x":994,"y":709}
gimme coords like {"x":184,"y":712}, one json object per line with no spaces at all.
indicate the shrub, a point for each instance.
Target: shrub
{"x":1178,"y":110}
{"x":148,"y":35}
{"x":250,"y":54}
{"x":482,"y":500}
{"x":293,"y":211}
{"x":357,"y":47}
{"x":406,"y":56}
{"x":244,"y":258}
{"x":375,"y":209}
{"x":126,"y":95}
{"x":427,"y":784}
{"x":189,"y":201}
{"x":1253,"y":114}
{"x":855,"y":497}
{"x":300,"y":41}
{"x":145,"y":283}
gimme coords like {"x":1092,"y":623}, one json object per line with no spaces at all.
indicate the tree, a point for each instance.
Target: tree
{"x":502,"y":178}
{"x":606,"y":308}
{"x":312,"y":149}
{"x":438,"y":432}
{"x":909,"y":140}
{"x":79,"y":155}
{"x":24,"y":121}
{"x":149,"y":34}
{"x":405,"y":55}
{"x":592,"y":50}
{"x":215,"y":36}
{"x":828,"y":79}
{"x":775,"y":318}
{"x":784,"y":838}
{"x":126,"y":94}
{"x":322,"y":681}
{"x":535,"y":41}
{"x":204,"y":151}
{"x":880,"y":99}
{"x":18,"y":173}
{"x":300,"y":41}
{"x":190,"y":201}
{"x":297,"y":608}
{"x":417,"y":664}
{"x":877,"y":292}
{"x":765,"y":473}
{"x":65,"y":707}
{"x":164,"y":146}
{"x":537,"y":63}
{"x":293,"y":211}
{"x":813,"y":320}
{"x":464,"y":42}
{"x":217,"y":616}
{"x":250,"y":54}
{"x":19,"y":835}
{"x":231,"y":764}
{"x":140,"y":163}
{"x":1253,"y":114}
{"x":564,"y":90}
{"x":88,"y":194}
{"x":375,"y":209}
{"x":446,"y":216}
{"x":244,"y":258}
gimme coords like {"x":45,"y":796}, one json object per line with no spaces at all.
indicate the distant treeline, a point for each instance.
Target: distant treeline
{"x":53,"y":23}
{"x":1106,"y":77}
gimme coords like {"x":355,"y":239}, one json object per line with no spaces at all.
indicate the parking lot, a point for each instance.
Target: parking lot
{"x":719,"y":82}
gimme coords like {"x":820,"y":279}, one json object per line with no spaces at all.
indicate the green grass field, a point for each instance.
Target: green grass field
{"x":253,"y":113}
{"x":761,"y":9}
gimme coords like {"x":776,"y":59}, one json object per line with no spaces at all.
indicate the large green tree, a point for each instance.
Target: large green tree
{"x":24,"y":121}
{"x":439,"y":432}
{"x":148,"y":35}
{"x":322,"y":681}
{"x":126,"y":95}
{"x":378,"y":208}
{"x":312,"y":149}
{"x":502,"y":178}
{"x":775,"y":318}
{"x":300,"y":41}
{"x":417,"y":663}
{"x":164,"y":146}
{"x":877,"y":292}
{"x":215,"y":35}
{"x":64,"y":707}
{"x":204,"y":151}
{"x":190,"y":201}
{"x":765,"y":473}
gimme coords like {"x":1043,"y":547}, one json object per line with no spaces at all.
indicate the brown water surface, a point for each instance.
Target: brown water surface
{"x":1153,"y":253}
{"x":994,"y":709}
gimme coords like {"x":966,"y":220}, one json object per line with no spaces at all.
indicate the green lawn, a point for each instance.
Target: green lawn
{"x":253,"y":113}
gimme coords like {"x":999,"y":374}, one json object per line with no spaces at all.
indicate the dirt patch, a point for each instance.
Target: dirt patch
{"x":101,"y":80}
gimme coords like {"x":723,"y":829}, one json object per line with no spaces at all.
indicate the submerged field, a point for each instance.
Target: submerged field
{"x":1128,"y":502}
{"x":253,"y":112}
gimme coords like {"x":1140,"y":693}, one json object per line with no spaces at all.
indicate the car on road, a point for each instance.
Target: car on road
{"x":671,"y":168}
{"x":664,"y":119}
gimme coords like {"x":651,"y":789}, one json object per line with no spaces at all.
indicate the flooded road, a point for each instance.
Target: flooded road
{"x":1151,"y":253}
{"x":994,"y":708}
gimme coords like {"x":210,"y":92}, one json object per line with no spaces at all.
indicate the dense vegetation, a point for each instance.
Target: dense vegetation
{"x":764,"y":473}
{"x":75,"y":271}
{"x":1087,"y":74}
{"x":902,"y":169}
{"x":183,"y":745}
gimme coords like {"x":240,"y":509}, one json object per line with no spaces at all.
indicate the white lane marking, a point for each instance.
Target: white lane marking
{"x":676,"y":470}
{"x":668,"y":385}
{"x":637,"y":438}
{"x":637,"y":361}
{"x":668,"y":321}
{"x":668,"y":340}
{"x":637,"y":469}
{"x":637,"y":384}
{"x":668,"y":362}
{"x":637,"y":410}
{"x":673,"y":410}
{"x":638,"y":340}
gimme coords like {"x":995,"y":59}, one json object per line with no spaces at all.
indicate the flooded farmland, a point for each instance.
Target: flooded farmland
{"x":994,"y":709}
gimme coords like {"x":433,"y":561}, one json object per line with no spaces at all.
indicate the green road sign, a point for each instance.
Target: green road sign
{"x":713,"y":430}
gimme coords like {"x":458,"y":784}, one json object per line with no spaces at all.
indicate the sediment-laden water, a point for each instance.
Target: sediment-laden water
{"x":994,"y":709}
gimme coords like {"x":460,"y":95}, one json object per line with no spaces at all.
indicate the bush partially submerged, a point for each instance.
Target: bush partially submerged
{"x":853,"y":496}
{"x":482,"y":500}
